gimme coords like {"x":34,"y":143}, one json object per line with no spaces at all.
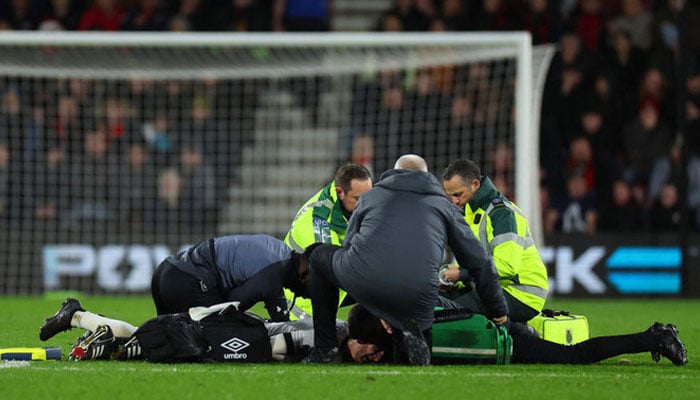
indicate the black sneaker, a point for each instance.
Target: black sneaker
{"x":414,"y":344}
{"x":98,"y":345}
{"x":60,"y":321}
{"x":670,"y":345}
{"x":655,"y":327}
{"x":318,"y":356}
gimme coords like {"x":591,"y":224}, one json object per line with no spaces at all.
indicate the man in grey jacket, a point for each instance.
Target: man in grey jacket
{"x":389,"y":261}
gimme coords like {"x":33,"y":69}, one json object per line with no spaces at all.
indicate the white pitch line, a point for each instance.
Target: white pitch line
{"x":405,"y":371}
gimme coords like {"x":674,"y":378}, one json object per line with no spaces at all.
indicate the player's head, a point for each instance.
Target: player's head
{"x":351,"y":180}
{"x":460,"y":180}
{"x":411,"y":162}
{"x":369,"y":341}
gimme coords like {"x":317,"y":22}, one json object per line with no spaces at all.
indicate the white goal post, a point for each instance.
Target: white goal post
{"x":271,"y":116}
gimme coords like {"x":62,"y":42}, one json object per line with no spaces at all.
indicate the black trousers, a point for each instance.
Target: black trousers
{"x":323,"y":288}
{"x":517,"y":310}
{"x":175,"y":291}
{"x":528,"y":349}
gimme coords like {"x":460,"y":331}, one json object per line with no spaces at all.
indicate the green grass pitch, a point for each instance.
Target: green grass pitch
{"x":629,"y":377}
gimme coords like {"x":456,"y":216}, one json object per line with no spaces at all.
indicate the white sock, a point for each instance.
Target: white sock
{"x":90,"y":321}
{"x":279,"y":347}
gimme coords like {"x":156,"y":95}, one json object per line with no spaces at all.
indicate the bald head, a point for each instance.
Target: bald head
{"x":411,"y":162}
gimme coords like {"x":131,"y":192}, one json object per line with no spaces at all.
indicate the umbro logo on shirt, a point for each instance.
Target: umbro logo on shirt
{"x":235,"y":345}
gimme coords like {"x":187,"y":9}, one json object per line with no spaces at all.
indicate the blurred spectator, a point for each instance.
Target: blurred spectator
{"x":665,"y":30}
{"x":104,"y":15}
{"x":62,"y":15}
{"x":493,"y":16}
{"x":426,"y":8}
{"x":197,"y":190}
{"x":93,"y":191}
{"x":411,"y":18}
{"x":362,"y":151}
{"x":501,"y":168}
{"x":543,"y":21}
{"x":164,"y":216}
{"x":51,"y":185}
{"x":250,"y":15}
{"x":589,"y":21}
{"x":158,"y":136}
{"x":15,"y":121}
{"x":654,"y":88}
{"x":179,"y":23}
{"x":146,"y":15}
{"x":143,"y":97}
{"x":390,"y":22}
{"x":221,"y":144}
{"x":196,"y":15}
{"x":562,"y":114}
{"x":137,"y":184}
{"x":67,"y":127}
{"x":20,"y":14}
{"x":645,"y":140}
{"x":627,"y":64}
{"x":389,"y":130}
{"x":635,"y":20}
{"x":603,"y":143}
{"x":574,"y":211}
{"x":671,"y":16}
{"x":425,"y":106}
{"x":460,"y":126}
{"x":302,"y":15}
{"x":692,"y":127}
{"x":668,"y":170}
{"x":438,"y":25}
{"x":666,"y":214}
{"x":580,"y":161}
{"x":455,"y":15}
{"x":117,"y":118}
{"x":622,"y":212}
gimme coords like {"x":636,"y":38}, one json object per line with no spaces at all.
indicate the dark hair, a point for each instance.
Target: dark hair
{"x":366,"y":327}
{"x":345,"y":174}
{"x":465,"y":169}
{"x":294,"y":278}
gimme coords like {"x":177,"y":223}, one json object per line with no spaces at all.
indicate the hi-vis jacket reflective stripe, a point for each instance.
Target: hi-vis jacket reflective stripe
{"x":502,"y":227}
{"x":319,"y":220}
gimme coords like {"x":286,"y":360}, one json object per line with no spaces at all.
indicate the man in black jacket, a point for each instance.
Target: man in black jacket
{"x":244,"y":268}
{"x":389,"y":261}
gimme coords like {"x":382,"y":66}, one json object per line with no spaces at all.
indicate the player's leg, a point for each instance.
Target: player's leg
{"x":175,"y":291}
{"x":323,"y":287}
{"x":658,"y":339}
{"x":71,"y":314}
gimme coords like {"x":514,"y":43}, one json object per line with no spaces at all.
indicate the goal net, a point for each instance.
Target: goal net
{"x":118,"y":149}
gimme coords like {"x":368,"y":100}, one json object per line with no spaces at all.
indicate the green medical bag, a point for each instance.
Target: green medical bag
{"x":460,"y":336}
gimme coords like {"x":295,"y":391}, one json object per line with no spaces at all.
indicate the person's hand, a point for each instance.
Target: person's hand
{"x":500,"y":320}
{"x":364,"y":352}
{"x":451,"y":274}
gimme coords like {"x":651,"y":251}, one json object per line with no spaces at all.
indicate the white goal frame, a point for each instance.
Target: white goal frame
{"x":489,"y":45}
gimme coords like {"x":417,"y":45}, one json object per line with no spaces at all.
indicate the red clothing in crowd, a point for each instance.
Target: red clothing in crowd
{"x":96,"y":19}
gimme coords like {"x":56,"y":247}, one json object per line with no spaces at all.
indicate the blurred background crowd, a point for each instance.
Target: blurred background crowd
{"x":620,"y":119}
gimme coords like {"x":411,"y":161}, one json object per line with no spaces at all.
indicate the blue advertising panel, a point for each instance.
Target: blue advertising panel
{"x":620,"y":265}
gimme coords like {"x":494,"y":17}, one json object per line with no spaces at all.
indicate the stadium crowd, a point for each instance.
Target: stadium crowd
{"x":612,"y":141}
